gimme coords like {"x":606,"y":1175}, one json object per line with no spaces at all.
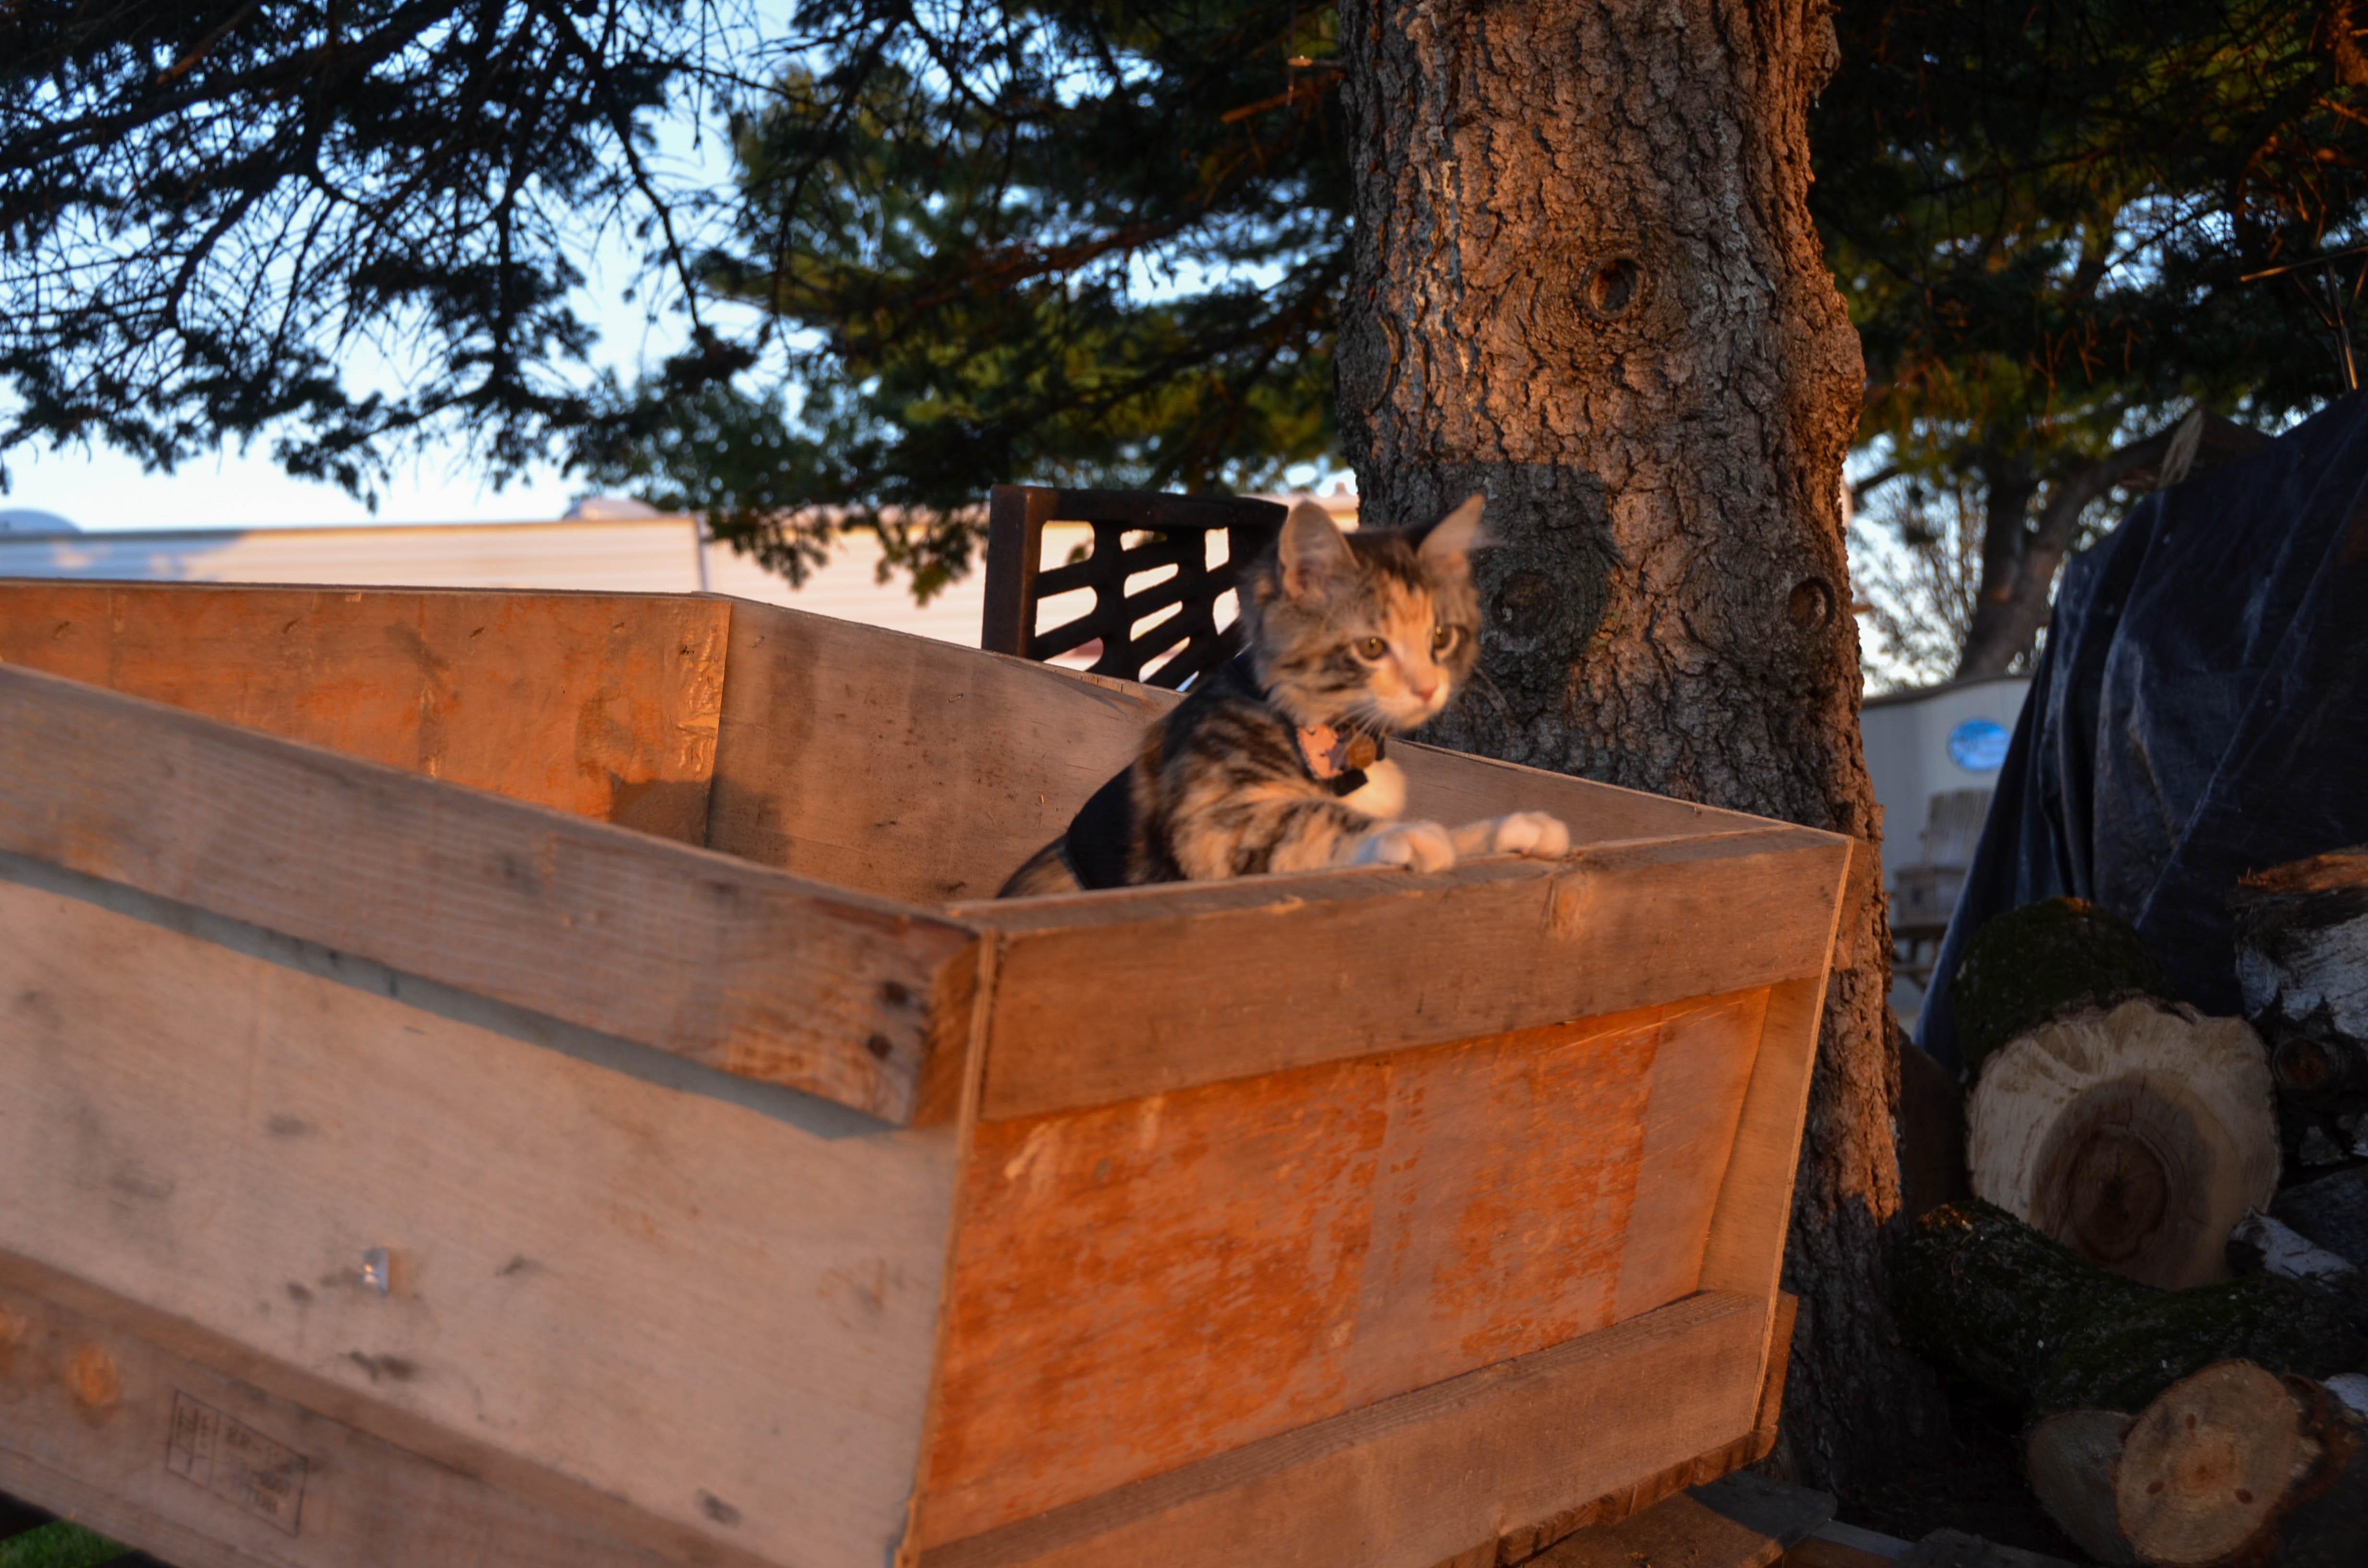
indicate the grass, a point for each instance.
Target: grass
{"x":58,"y":1545}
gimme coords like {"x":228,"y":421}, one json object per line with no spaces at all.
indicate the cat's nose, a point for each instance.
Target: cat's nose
{"x":1423,"y":693}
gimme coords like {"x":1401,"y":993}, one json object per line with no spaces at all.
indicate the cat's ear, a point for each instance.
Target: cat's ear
{"x":1448,"y":542}
{"x":1313,"y":555}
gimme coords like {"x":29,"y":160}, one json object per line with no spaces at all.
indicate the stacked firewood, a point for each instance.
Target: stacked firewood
{"x":2163,"y":1262}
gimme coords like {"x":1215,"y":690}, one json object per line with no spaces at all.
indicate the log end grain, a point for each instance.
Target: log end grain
{"x":2136,"y":1134}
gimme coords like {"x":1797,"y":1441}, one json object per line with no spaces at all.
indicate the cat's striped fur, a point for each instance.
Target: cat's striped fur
{"x":1345,"y":636}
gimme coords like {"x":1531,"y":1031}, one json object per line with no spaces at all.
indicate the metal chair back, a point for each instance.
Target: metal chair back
{"x":1178,"y":527}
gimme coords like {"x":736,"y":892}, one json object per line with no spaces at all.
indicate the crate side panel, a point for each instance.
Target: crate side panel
{"x":601,"y":704}
{"x":1140,"y":1286}
{"x":901,"y":766}
{"x":1701,"y":1075}
{"x":732,"y":965}
{"x":920,"y":770}
{"x":168,"y":1455}
{"x":1453,"y":787}
{"x":712,"y":1299}
{"x":1455,"y":1472}
{"x":1094,"y":1006}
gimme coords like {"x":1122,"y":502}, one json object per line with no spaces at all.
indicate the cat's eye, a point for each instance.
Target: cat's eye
{"x":1442,"y":638}
{"x":1371,"y":647}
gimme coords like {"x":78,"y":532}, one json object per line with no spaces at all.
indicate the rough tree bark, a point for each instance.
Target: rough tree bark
{"x":1587,"y":283}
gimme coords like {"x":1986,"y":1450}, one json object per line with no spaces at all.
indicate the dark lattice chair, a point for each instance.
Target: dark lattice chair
{"x":1178,"y":527}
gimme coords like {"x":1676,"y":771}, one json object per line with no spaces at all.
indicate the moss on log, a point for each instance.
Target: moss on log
{"x":1988,"y":1297}
{"x":2028,"y":965}
{"x":2121,"y":1359}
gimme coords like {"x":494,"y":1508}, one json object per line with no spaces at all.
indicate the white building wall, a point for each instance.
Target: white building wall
{"x":1906,"y":736}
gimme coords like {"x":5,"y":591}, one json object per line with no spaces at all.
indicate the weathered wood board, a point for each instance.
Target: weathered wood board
{"x":734,"y":965}
{"x":751,"y":1190}
{"x":222,"y":1126}
{"x":601,"y":704}
{"x":1184,"y":1274}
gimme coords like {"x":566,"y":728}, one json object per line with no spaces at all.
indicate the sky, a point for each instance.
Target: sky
{"x":102,"y":488}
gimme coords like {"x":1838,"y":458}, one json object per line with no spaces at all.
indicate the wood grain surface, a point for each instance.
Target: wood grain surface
{"x":1140,"y":1286}
{"x":1290,"y":971}
{"x":713,"y":1302}
{"x":903,"y":767}
{"x":604,"y":705}
{"x":1437,"y":1476}
{"x":726,"y":963}
{"x":919,"y":770}
{"x":166,"y":1453}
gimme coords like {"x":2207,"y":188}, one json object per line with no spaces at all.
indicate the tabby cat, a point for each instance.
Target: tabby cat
{"x":1273,"y":762}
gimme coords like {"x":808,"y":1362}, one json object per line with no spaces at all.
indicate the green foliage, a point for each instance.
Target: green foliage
{"x":206,"y":209}
{"x":1075,"y":240}
{"x":1085,"y":243}
{"x":2043,"y":219}
{"x":58,"y":1545}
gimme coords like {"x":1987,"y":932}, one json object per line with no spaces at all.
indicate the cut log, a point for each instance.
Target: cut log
{"x":2263,"y":1245}
{"x":2302,"y":949}
{"x":1993,"y":1299}
{"x":2121,"y":1361}
{"x":2332,"y":1211}
{"x":2069,"y":1458}
{"x":2138,"y":1135}
{"x":2030,"y":964}
{"x":2237,"y":1465}
{"x":2315,"y":1063}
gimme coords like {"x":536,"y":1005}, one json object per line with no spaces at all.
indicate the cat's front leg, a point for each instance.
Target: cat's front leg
{"x":1533,"y":834}
{"x":1416,"y":846}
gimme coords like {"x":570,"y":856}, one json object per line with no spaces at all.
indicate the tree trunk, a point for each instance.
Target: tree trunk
{"x":1997,"y":634}
{"x":1586,"y":282}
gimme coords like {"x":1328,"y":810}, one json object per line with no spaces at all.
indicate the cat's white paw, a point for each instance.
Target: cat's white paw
{"x":1533,"y":834}
{"x":1416,"y":846}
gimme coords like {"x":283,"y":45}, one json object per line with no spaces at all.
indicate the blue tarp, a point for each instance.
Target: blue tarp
{"x":2199,"y":711}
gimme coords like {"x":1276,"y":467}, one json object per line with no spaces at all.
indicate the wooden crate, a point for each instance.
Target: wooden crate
{"x":518,"y":1078}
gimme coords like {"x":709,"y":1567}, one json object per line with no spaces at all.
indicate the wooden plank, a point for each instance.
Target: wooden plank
{"x":1700,"y":1072}
{"x":1747,"y":1236}
{"x":711,"y":1301}
{"x":696,"y":953}
{"x":971,"y":763}
{"x":1746,"y":1249}
{"x":1738,"y":1521}
{"x":163,"y":1452}
{"x":600,"y":704}
{"x":1521,"y":1545}
{"x":1140,"y":1286}
{"x":1452,"y":787}
{"x":904,"y":767}
{"x":1430,"y":1475}
{"x":1485,"y":949}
